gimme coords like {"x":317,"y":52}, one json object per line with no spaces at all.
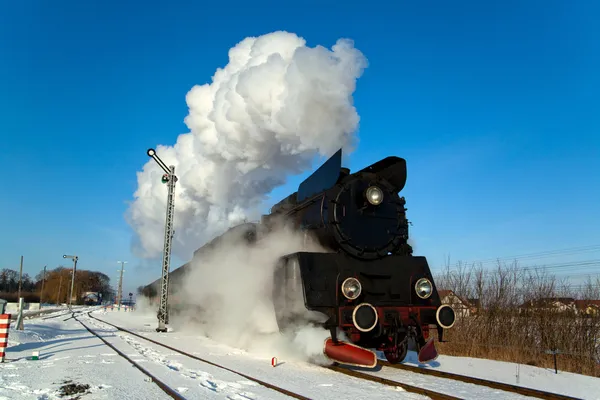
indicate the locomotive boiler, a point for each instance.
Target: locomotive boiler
{"x":365,"y":282}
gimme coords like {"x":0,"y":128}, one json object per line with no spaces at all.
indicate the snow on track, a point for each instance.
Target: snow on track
{"x":544,"y":379}
{"x":446,"y":386}
{"x":308,"y":380}
{"x":435,"y":384}
{"x":67,"y":352}
{"x":192,"y":378}
{"x":569,"y":384}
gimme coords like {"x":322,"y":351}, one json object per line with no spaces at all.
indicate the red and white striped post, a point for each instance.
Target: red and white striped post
{"x":4,"y":326}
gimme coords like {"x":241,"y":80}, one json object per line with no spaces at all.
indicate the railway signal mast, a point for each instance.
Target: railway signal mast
{"x":169,"y":178}
{"x":74,"y":258}
{"x":120,"y":289}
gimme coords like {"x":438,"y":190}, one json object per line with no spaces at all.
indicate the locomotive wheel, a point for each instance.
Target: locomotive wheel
{"x":397,"y":354}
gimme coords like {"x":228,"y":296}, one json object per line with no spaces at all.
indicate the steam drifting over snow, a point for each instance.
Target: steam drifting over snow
{"x":275,"y":106}
{"x":228,"y":298}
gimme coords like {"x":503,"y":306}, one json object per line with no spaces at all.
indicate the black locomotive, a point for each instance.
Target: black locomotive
{"x":367,"y":284}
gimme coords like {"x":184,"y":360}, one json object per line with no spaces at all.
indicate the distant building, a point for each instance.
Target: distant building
{"x":560,"y":304}
{"x":91,"y":297}
{"x":588,"y":307}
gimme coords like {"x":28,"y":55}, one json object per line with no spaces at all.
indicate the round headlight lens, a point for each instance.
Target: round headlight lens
{"x":351,"y":288}
{"x":424,"y":288}
{"x":374,"y":195}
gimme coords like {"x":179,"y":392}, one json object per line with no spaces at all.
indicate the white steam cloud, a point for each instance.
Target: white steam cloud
{"x":275,"y":106}
{"x":228,"y":299}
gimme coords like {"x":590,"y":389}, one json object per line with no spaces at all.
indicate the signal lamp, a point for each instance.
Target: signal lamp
{"x":165,"y":178}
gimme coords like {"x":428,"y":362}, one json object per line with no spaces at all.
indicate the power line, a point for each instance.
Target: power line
{"x":583,"y":264}
{"x":542,"y":254}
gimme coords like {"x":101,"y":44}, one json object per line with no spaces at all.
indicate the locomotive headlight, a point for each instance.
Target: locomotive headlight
{"x":351,"y":288}
{"x":374,"y":195}
{"x":424,"y":288}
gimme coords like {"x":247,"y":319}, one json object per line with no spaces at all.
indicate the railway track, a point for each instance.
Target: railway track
{"x":68,"y":312}
{"x":525,"y":391}
{"x":436,"y":395}
{"x":409,"y":388}
{"x":28,"y":314}
{"x":165,"y":387}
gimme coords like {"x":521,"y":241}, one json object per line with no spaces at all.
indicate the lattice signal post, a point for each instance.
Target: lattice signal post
{"x":120,"y":288}
{"x":169,"y":178}
{"x":74,"y":258}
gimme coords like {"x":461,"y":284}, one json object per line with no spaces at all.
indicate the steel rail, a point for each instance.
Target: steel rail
{"x":164,"y":387}
{"x":260,"y":382}
{"x":409,"y":388}
{"x":388,"y":382}
{"x":525,"y":391}
{"x":521,"y":390}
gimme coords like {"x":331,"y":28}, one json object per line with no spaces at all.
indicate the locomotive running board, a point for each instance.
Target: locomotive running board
{"x":428,"y":352}
{"x":349,"y":354}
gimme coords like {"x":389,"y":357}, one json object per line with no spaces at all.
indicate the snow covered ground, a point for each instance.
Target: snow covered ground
{"x":46,"y":309}
{"x":545,"y":379}
{"x":69,"y":353}
{"x":537,"y":378}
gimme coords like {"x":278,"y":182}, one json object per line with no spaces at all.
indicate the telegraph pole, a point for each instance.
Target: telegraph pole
{"x":169,"y":178}
{"x":120,"y":290}
{"x":74,"y":258}
{"x":42,"y":293}
{"x":59,"y":287}
{"x":20,"y":279}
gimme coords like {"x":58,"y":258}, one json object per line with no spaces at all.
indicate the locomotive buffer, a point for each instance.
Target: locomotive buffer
{"x":169,"y":178}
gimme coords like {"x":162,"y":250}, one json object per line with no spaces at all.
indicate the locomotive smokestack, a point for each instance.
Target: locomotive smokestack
{"x":392,"y":169}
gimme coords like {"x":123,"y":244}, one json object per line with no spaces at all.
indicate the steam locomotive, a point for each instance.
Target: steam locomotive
{"x":367,"y":284}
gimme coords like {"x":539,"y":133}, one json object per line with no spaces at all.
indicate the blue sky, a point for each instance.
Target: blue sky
{"x":495,"y":108}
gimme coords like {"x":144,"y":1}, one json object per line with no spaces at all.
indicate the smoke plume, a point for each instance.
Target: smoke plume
{"x":267,"y":114}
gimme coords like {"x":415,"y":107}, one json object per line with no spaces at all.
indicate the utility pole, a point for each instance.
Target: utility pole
{"x":120,"y":290}
{"x":20,"y":299}
{"x":169,"y":178}
{"x":59,"y":287}
{"x":42,"y":292}
{"x":20,"y":278}
{"x":74,"y":258}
